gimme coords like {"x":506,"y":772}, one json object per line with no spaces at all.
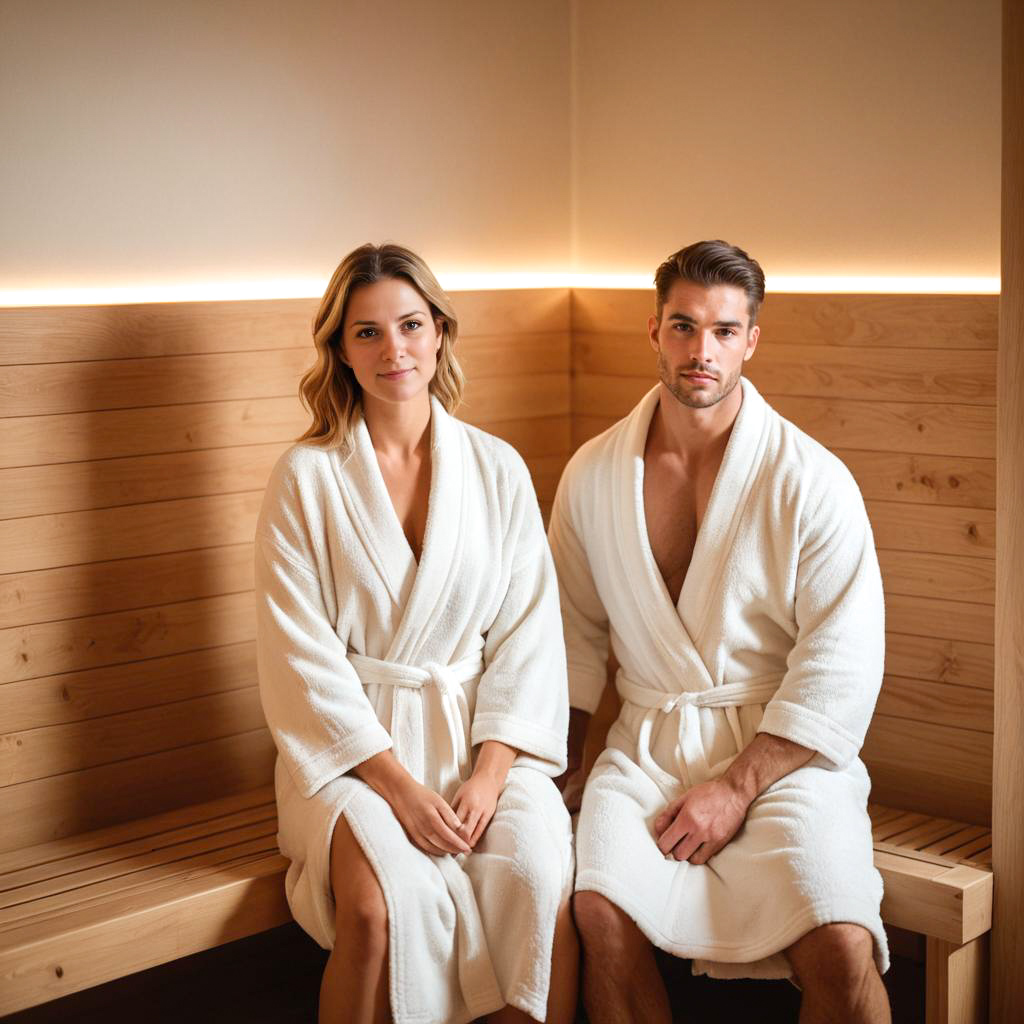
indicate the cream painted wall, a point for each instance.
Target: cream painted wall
{"x":235,"y":139}
{"x":241,"y":139}
{"x":826,"y":136}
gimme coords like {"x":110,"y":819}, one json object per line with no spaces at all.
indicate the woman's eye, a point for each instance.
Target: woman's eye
{"x":366,"y":332}
{"x":412,"y":325}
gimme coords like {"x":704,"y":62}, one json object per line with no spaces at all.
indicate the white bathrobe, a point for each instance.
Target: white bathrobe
{"x":778,"y":628}
{"x":361,"y":650}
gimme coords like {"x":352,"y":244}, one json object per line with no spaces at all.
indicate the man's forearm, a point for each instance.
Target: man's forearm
{"x":764,"y":761}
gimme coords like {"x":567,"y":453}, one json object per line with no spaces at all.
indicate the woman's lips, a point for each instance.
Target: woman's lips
{"x":397,"y":374}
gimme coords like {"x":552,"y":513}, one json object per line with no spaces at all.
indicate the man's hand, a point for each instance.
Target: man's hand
{"x":696,"y":825}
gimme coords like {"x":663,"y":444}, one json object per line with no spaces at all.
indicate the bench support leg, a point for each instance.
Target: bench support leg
{"x":956,"y":982}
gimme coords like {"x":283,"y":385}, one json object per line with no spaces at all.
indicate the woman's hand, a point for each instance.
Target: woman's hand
{"x":427,"y":819}
{"x":477,"y":797}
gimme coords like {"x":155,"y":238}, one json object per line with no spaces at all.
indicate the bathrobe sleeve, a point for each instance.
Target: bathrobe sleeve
{"x":584,"y":619}
{"x":319,"y":715}
{"x":834,"y":671}
{"x":522,"y":699}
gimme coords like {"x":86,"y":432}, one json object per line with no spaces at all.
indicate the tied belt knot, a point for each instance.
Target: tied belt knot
{"x":690,"y":754}
{"x":448,"y":680}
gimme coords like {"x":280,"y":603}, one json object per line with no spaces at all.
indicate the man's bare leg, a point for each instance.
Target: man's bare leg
{"x":621,"y":981}
{"x":835,"y":967}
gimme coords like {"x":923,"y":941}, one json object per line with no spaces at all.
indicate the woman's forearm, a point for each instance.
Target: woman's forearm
{"x":494,"y":760}
{"x":383,"y":773}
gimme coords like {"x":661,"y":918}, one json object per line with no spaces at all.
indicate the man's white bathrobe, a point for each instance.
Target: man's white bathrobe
{"x":778,"y":628}
{"x":361,"y":650}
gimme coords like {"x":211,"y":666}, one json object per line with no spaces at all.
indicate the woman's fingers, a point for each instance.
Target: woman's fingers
{"x":470,"y":823}
{"x":444,"y":831}
{"x":482,"y":821}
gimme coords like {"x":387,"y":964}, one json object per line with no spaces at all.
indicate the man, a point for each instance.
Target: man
{"x":729,"y":559}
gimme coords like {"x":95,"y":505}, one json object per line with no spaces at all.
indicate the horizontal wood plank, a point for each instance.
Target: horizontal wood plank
{"x":903,"y":427}
{"x":129,"y":531}
{"x":69,"y":645}
{"x":955,"y":662}
{"x":57,"y":749}
{"x":58,"y":334}
{"x":93,"y":588}
{"x":817,"y":371}
{"x":117,"y":433}
{"x":918,"y":573}
{"x":925,"y":479}
{"x":934,"y":769}
{"x":940,"y":619}
{"x":63,"y":805}
{"x":494,"y":355}
{"x":875,"y":321}
{"x":933,"y":529}
{"x":960,"y":707}
{"x":114,"y":689}
{"x":512,"y":310}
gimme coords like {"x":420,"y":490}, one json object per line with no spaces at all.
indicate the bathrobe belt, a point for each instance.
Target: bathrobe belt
{"x":690,"y":753}
{"x":448,"y":680}
{"x":476,"y":971}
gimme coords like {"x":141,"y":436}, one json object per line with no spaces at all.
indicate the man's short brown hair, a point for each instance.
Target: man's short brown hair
{"x":709,"y":263}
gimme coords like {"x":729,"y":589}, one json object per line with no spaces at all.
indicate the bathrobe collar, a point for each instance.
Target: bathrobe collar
{"x":419,"y":591}
{"x":674,"y":628}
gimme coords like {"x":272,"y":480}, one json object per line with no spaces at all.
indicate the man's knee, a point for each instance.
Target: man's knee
{"x":602,"y":925}
{"x":836,"y":957}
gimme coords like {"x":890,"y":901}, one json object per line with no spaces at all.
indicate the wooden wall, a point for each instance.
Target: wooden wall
{"x":136,"y":443}
{"x":902,"y":388}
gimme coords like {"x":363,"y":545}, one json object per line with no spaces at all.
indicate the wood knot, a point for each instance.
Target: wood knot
{"x":954,"y":481}
{"x":65,"y":693}
{"x":972,"y":531}
{"x":59,"y":971}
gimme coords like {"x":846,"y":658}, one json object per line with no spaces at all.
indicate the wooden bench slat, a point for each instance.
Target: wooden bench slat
{"x":908,"y":819}
{"x":118,"y":866}
{"x":53,"y":909}
{"x":958,"y":838}
{"x":132,"y":933}
{"x":115,"y":853}
{"x":919,"y":836}
{"x":971,"y":849}
{"x":138,"y":828}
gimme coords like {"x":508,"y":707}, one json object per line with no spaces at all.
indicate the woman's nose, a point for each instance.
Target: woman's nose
{"x":393,"y":347}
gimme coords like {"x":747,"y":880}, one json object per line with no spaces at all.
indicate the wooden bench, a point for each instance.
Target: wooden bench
{"x":88,"y":909}
{"x":84,"y":910}
{"x":938,"y":883}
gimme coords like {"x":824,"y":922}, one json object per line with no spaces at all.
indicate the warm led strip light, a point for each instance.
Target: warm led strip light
{"x":301,"y":288}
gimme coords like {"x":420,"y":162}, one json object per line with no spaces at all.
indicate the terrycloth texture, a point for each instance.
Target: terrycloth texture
{"x":779,"y":629}
{"x":361,"y":650}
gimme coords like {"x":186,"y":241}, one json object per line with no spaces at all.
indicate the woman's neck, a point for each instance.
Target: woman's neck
{"x":397,"y":429}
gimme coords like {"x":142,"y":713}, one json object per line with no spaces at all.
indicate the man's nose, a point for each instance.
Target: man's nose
{"x":702,"y":346}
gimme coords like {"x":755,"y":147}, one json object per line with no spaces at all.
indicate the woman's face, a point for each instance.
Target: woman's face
{"x":390,"y":341}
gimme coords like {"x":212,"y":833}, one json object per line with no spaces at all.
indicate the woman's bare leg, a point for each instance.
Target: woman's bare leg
{"x":355,"y":982}
{"x":565,"y":972}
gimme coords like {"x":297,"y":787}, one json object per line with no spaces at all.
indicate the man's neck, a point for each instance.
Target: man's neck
{"x":692,"y":434}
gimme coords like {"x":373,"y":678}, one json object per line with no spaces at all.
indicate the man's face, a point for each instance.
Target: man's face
{"x":702,"y":340}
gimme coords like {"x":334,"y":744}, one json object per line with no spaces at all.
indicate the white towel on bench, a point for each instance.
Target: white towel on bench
{"x":361,"y":650}
{"x":778,"y":628}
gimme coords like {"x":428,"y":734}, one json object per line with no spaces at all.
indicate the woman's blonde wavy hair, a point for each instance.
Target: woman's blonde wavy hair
{"x":329,"y":389}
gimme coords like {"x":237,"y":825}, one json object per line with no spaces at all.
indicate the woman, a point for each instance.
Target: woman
{"x":412,"y":672}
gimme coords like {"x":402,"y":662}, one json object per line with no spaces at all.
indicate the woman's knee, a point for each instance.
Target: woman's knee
{"x":361,"y":911}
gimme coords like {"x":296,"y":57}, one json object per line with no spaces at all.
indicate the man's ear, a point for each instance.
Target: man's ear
{"x":653,"y":325}
{"x":752,"y":338}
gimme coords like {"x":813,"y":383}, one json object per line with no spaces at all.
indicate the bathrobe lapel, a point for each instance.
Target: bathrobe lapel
{"x":675,"y":630}
{"x":419,"y":592}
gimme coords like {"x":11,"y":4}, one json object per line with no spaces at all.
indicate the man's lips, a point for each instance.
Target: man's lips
{"x":700,"y":377}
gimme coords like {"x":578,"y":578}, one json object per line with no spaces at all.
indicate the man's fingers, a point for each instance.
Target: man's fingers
{"x":684,"y":850}
{"x":675,"y":831}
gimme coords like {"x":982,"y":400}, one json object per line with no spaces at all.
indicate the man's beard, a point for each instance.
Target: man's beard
{"x":702,"y":399}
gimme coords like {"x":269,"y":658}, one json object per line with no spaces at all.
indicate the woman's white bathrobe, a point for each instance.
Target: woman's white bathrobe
{"x":778,"y":628}
{"x":361,"y":650}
